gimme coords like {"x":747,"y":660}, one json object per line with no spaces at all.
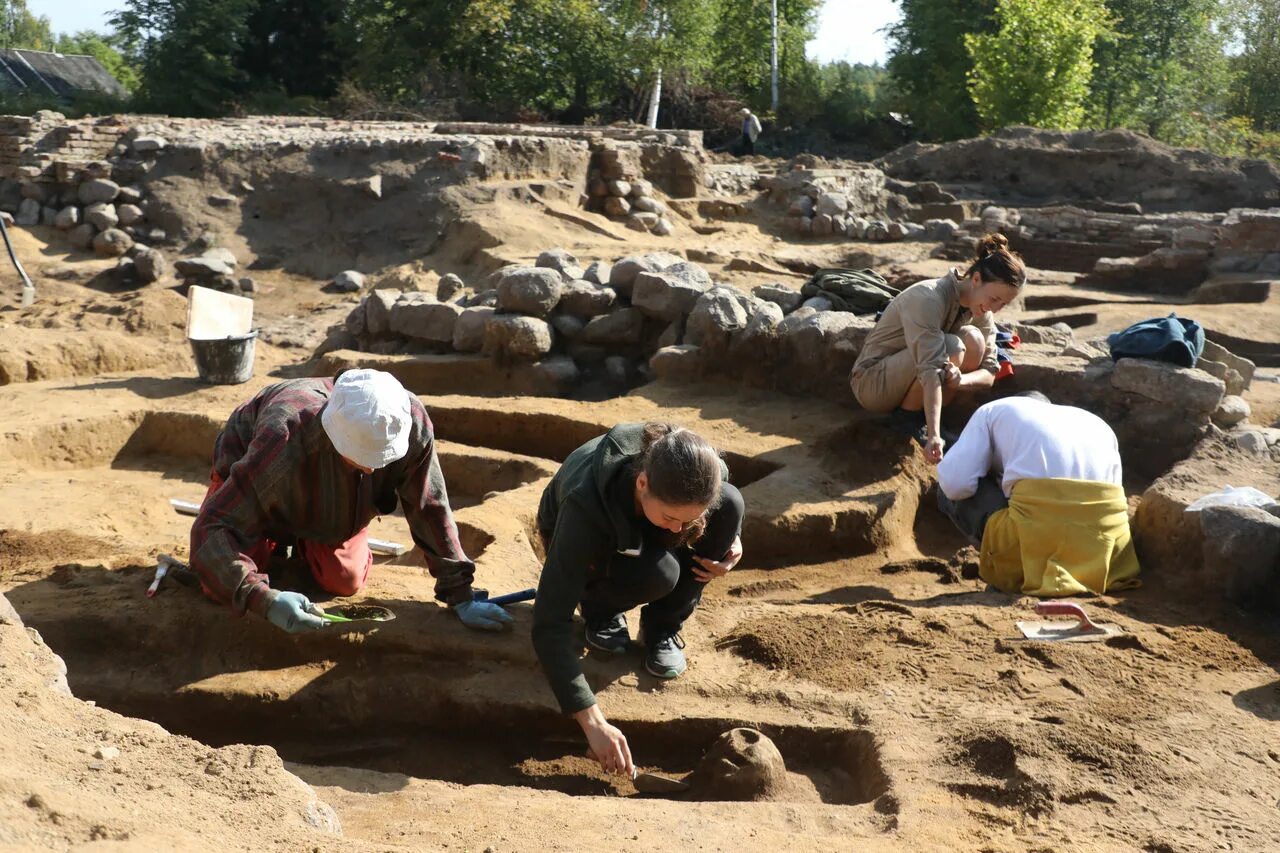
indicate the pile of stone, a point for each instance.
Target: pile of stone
{"x":853,"y":202}
{"x":95,"y":211}
{"x":615,"y":189}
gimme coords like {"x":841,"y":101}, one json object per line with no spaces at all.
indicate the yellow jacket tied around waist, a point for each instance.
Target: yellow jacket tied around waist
{"x":1060,"y":537}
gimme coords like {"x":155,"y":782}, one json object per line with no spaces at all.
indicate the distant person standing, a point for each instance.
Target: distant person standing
{"x":750,"y":131}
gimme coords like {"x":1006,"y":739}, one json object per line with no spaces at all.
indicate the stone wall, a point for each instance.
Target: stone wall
{"x":566,"y":325}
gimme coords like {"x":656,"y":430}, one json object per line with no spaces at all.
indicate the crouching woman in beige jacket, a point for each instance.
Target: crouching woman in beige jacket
{"x":937,"y":337}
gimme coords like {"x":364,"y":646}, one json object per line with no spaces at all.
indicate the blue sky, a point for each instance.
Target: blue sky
{"x":847,"y":29}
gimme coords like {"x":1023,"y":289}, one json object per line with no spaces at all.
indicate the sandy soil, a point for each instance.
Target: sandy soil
{"x":855,"y":633}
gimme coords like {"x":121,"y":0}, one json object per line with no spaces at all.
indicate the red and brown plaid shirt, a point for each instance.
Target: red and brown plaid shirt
{"x":282,"y":479}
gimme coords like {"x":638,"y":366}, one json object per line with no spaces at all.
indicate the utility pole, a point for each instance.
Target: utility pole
{"x":773,"y":62}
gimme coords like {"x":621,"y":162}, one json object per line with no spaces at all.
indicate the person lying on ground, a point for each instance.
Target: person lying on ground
{"x":938,"y":337}
{"x":1037,"y":487}
{"x":309,"y":462}
{"x":643,"y":515}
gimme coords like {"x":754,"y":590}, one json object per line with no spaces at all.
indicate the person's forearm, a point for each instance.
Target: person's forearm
{"x":590,"y":717}
{"x":933,"y":409}
{"x":978,"y":379}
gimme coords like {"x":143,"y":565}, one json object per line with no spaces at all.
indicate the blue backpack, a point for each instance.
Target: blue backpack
{"x":1173,"y":339}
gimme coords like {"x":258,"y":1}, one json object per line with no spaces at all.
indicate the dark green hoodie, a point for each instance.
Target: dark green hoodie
{"x":587,"y":514}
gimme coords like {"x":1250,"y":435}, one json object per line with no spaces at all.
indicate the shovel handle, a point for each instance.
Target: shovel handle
{"x":1066,"y":608}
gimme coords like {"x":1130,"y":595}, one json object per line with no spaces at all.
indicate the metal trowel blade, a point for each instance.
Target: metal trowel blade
{"x":1067,"y":632}
{"x":652,"y":783}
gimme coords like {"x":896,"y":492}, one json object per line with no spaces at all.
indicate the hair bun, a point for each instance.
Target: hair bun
{"x":991,"y":244}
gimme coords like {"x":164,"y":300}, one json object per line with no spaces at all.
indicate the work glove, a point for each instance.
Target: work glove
{"x":482,"y":615}
{"x":294,"y":612}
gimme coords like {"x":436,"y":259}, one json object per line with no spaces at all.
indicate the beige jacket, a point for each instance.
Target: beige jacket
{"x":919,"y":319}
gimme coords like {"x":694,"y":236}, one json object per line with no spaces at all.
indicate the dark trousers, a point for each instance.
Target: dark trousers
{"x":662,"y":578}
{"x":748,"y":145}
{"x":971,"y":514}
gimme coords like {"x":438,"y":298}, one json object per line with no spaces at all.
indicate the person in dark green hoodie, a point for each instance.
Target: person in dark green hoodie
{"x":643,"y":515}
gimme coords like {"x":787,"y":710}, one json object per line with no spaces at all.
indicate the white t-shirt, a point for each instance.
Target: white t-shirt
{"x":1020,"y":438}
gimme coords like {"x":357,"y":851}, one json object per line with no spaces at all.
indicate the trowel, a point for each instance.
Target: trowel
{"x":652,"y":783}
{"x":345,"y":613}
{"x":1083,"y":630}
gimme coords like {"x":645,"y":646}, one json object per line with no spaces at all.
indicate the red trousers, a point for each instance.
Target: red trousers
{"x":341,"y":569}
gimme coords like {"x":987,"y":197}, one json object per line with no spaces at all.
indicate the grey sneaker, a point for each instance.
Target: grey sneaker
{"x":609,"y":635}
{"x":664,"y":657}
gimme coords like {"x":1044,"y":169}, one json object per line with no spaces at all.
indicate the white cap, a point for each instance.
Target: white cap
{"x":367,"y":418}
{"x":746,"y":111}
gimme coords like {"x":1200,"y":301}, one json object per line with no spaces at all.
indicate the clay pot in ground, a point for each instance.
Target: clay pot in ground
{"x":742,"y":764}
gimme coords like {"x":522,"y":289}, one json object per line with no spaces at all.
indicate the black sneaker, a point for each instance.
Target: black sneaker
{"x":609,"y":635}
{"x":664,"y":657}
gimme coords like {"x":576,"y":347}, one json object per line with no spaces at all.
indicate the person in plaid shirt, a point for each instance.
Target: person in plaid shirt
{"x":311,"y":462}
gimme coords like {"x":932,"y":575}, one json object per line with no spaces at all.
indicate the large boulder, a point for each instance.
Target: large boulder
{"x":581,"y":298}
{"x":101,"y":216}
{"x":716,"y":315}
{"x":468,"y":332}
{"x":1182,"y":387}
{"x":598,"y":272}
{"x":67,"y":218}
{"x":529,"y":290}
{"x":450,"y":286}
{"x":786,"y":298}
{"x":668,"y":294}
{"x":743,"y":764}
{"x":206,"y":270}
{"x":758,"y":341}
{"x":28,"y":213}
{"x":112,"y":243}
{"x":98,"y":190}
{"x":516,"y":338}
{"x":678,"y":363}
{"x":622,"y":275}
{"x":150,"y":265}
{"x":81,"y":236}
{"x":562,"y":262}
{"x":378,"y":312}
{"x":422,"y":317}
{"x":129,"y":214}
{"x":348,"y":281}
{"x":620,"y":327}
{"x":1242,"y":553}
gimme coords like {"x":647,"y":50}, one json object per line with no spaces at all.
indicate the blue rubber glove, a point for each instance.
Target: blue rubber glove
{"x":294,"y":612}
{"x":482,"y":615}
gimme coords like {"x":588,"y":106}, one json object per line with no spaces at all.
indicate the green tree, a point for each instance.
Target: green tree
{"x":1255,"y":26}
{"x":740,"y":46}
{"x":1035,"y":69}
{"x":297,"y":47}
{"x":1162,"y":60}
{"x":189,"y":52}
{"x":20,"y":28}
{"x":107,"y":49}
{"x":930,"y":65}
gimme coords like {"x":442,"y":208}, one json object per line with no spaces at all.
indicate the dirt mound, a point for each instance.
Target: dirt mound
{"x":19,"y":549}
{"x":73,"y":773}
{"x":878,"y":641}
{"x":1023,"y":164}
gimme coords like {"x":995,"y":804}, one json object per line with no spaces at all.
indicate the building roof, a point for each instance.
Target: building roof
{"x":65,"y":75}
